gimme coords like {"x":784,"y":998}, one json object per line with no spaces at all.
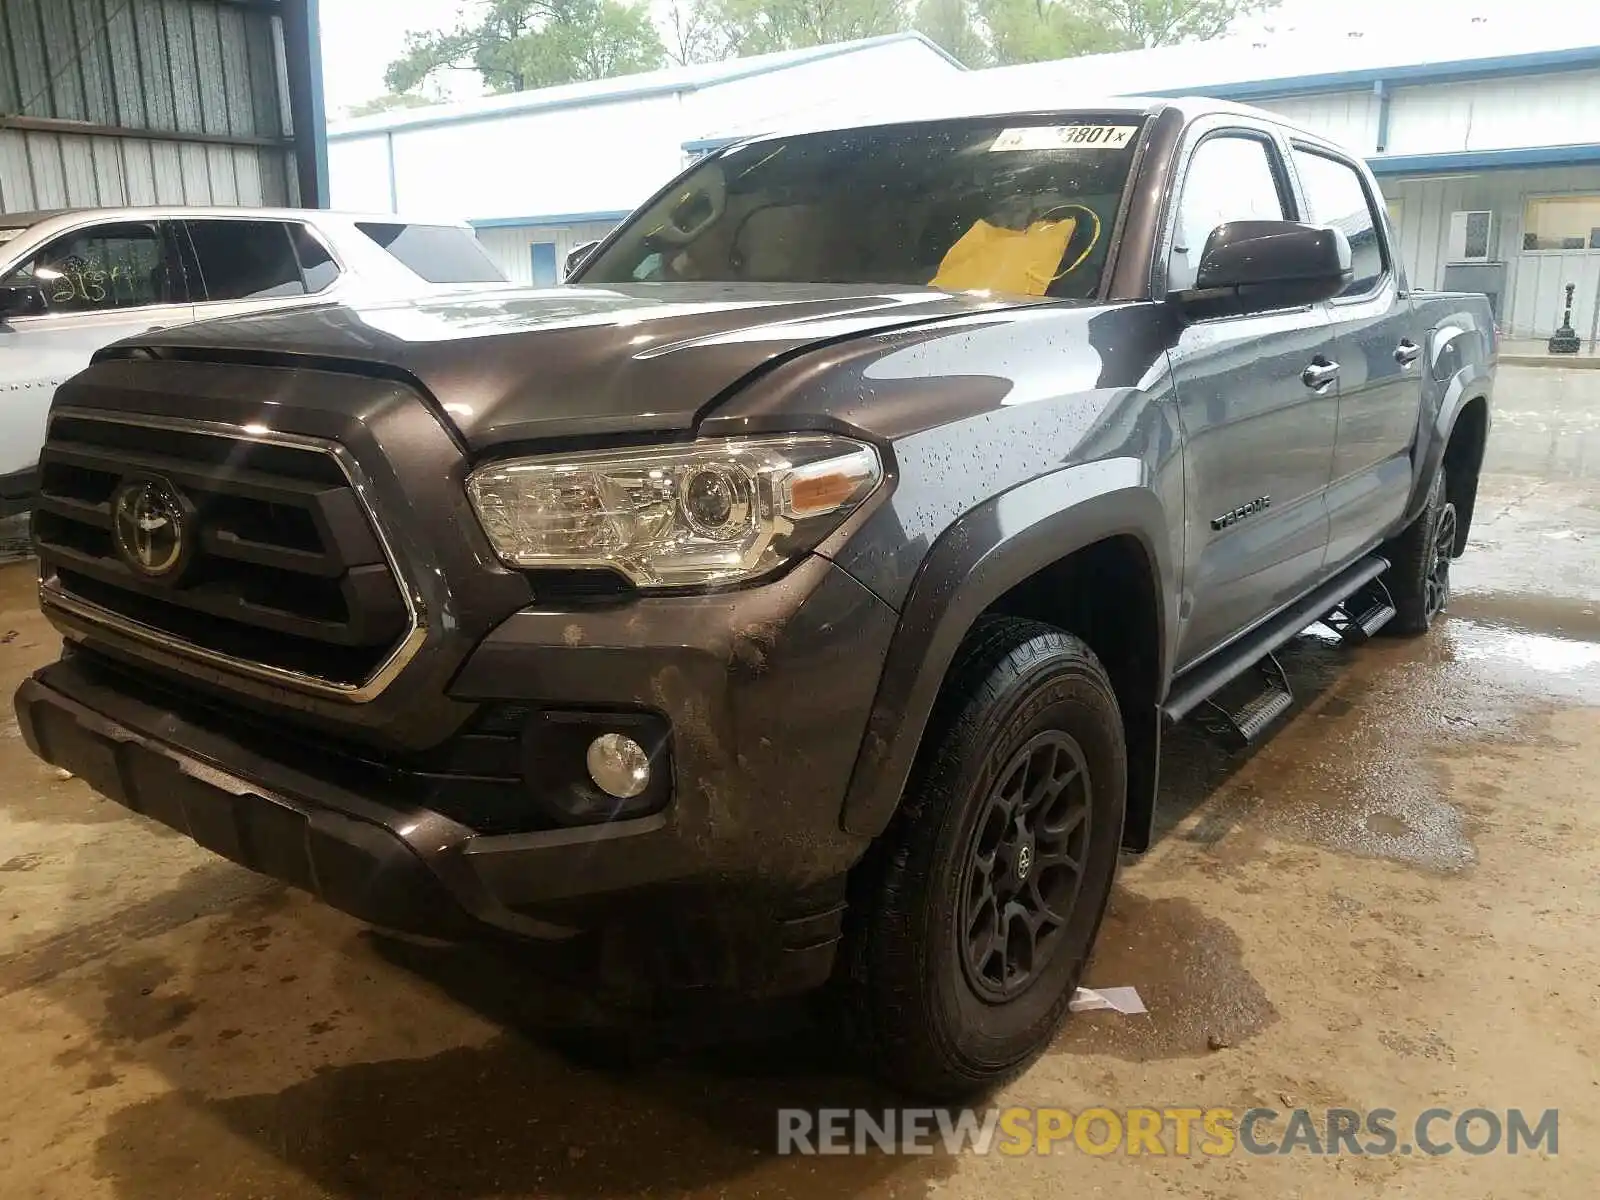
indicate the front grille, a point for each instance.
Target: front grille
{"x":285,"y":569}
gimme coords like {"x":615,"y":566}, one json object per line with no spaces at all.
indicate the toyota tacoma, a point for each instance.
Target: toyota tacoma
{"x":797,"y":595}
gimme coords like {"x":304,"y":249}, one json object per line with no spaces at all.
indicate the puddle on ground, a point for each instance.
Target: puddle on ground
{"x":1190,"y":973}
{"x":1357,"y":769}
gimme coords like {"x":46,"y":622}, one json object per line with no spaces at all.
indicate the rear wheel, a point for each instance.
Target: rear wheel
{"x":1419,"y":573}
{"x":971,"y":936}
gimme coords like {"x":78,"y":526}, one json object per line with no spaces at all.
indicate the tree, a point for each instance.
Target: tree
{"x":1166,"y":22}
{"x":691,"y":33}
{"x":389,"y":103}
{"x":1022,"y":31}
{"x":762,"y":26}
{"x":953,"y":25}
{"x":515,"y":45}
{"x":1039,"y":30}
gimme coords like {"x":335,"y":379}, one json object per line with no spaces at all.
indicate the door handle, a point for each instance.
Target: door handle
{"x":1320,"y":374}
{"x":1407,"y":353}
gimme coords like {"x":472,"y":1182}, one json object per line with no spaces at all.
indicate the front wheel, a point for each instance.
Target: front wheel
{"x":975,"y":928}
{"x":1419,"y":573}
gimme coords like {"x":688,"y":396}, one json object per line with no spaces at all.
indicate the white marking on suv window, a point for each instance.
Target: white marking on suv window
{"x":1065,"y":137}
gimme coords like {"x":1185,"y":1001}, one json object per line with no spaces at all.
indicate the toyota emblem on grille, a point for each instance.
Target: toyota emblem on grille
{"x":151,"y":527}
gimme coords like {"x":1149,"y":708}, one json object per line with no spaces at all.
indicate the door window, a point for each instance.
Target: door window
{"x":103,"y":268}
{"x":1337,"y":197}
{"x":246,"y":260}
{"x":317,"y":267}
{"x":1231,"y":178}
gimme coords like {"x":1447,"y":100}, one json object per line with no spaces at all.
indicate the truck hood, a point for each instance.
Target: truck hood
{"x":511,"y":364}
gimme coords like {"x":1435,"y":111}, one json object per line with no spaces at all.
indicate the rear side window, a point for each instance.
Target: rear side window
{"x":435,"y":253}
{"x":316,"y":264}
{"x":103,"y":268}
{"x":246,"y":260}
{"x":1337,"y":197}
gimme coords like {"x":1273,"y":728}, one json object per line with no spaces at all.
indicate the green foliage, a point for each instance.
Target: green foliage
{"x":761,"y":26}
{"x":953,"y":25}
{"x":389,"y":103}
{"x":516,"y":45}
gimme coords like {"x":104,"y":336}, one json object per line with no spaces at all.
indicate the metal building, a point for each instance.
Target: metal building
{"x":130,"y":102}
{"x":1483,"y":129}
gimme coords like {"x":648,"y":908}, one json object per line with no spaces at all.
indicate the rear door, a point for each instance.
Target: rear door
{"x":251,"y":265}
{"x":1379,"y":352}
{"x":1259,"y":438}
{"x":101,"y":282}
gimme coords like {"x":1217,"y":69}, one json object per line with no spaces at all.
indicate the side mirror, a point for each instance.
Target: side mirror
{"x":22,"y":300}
{"x":575,"y":258}
{"x":1255,"y":266}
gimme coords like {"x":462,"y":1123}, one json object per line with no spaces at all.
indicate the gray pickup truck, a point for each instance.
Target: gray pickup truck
{"x":799,"y":594}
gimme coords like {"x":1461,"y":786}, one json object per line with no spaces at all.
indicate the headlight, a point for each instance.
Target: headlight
{"x":670,"y":516}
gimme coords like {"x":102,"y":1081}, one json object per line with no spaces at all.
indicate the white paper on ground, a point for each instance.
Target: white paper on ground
{"x":1124,"y":1000}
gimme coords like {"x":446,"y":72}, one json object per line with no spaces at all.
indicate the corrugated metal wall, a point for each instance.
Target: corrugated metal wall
{"x":113,"y":102}
{"x":1535,"y":280}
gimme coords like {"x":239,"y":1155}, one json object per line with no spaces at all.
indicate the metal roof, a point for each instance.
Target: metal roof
{"x":1404,"y":46}
{"x":623,"y":87}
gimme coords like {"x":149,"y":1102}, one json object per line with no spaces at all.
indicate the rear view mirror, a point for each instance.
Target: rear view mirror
{"x":1254,"y":266}
{"x":575,"y":258}
{"x":21,"y":300}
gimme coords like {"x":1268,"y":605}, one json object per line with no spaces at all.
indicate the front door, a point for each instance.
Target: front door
{"x":1259,"y":432}
{"x":101,"y":283}
{"x":1379,"y":352}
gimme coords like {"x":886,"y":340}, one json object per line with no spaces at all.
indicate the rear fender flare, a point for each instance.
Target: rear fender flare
{"x":979,"y":558}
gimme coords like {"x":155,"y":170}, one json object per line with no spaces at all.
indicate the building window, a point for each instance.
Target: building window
{"x":1562,"y":223}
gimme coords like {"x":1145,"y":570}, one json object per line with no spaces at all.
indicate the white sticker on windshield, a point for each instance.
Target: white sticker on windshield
{"x":1066,"y":137}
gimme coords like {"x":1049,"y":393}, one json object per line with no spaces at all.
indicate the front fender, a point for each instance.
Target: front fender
{"x":983,"y":555}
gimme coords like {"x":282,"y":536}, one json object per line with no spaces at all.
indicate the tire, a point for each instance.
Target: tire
{"x":1418,"y":577}
{"x":941,"y":1018}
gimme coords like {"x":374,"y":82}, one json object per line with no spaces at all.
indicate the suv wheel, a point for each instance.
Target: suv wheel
{"x":1419,"y":572}
{"x":976,"y":926}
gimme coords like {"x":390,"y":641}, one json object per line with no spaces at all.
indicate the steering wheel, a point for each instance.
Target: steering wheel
{"x":695,"y":210}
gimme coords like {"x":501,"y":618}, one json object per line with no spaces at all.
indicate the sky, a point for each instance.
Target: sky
{"x":356,"y":48}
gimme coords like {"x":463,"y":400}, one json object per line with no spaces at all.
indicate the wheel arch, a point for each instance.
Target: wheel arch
{"x":1032,"y":552}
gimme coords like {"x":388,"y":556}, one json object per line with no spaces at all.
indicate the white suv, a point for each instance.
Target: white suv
{"x":72,"y":282}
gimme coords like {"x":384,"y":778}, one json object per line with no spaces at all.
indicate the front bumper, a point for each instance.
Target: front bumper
{"x":765,"y":691}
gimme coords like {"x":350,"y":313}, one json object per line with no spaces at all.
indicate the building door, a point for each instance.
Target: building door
{"x":546,"y":273}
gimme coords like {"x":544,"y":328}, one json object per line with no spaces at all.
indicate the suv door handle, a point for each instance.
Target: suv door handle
{"x":1407,"y":353}
{"x":1319,"y":374}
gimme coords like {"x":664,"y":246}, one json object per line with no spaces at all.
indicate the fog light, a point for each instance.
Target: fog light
{"x":618,"y":765}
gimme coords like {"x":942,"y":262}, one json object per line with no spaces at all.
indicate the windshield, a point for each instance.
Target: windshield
{"x":1019,"y":205}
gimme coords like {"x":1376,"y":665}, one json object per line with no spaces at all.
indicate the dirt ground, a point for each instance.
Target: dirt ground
{"x":1391,"y":903}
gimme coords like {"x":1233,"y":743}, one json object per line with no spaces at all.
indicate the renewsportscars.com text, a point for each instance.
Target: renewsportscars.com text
{"x":1211,"y":1132}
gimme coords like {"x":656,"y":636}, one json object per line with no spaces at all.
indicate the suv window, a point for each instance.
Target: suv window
{"x":1337,"y":196}
{"x":246,"y":260}
{"x":1230,"y":178}
{"x":103,"y":268}
{"x":435,"y":253}
{"x":317,"y":267}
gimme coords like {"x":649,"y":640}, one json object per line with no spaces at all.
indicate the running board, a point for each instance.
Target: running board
{"x":1209,"y":676}
{"x":1242,"y":709}
{"x":1361,"y":615}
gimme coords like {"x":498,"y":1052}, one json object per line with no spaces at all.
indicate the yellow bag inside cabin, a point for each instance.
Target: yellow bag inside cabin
{"x":1019,"y":261}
